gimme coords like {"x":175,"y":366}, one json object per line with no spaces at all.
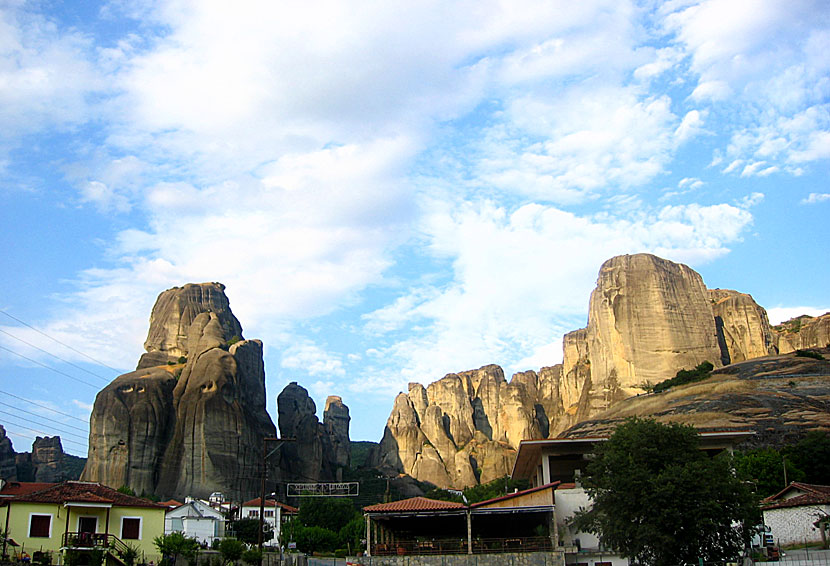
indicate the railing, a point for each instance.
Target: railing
{"x":93,"y":540}
{"x":459,"y":546}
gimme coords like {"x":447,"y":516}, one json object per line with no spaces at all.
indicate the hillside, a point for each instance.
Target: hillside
{"x":781,"y":398}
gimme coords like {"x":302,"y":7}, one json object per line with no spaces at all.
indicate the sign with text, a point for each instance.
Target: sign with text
{"x":342,"y":489}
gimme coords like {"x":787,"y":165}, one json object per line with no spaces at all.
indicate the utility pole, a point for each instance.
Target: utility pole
{"x":265,"y":455}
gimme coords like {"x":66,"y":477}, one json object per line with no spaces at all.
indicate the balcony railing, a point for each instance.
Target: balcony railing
{"x":459,"y":546}
{"x":93,"y":540}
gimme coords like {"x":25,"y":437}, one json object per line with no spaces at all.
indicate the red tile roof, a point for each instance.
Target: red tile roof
{"x":812,"y":495}
{"x":172,"y":503}
{"x":84,"y":492}
{"x":14,"y":488}
{"x":414,"y":504}
{"x":270,"y":503}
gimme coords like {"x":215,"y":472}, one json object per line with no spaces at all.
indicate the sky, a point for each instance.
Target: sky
{"x":390,"y":191}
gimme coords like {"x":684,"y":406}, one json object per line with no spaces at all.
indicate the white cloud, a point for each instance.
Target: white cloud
{"x":311,"y":359}
{"x":522,"y":279}
{"x":814,"y":198}
{"x":777,"y":315}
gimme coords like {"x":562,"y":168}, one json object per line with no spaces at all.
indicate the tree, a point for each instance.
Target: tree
{"x":332,"y":513}
{"x":247,"y":530}
{"x":231,"y":549}
{"x":659,"y":500}
{"x":175,"y":544}
{"x":764,"y":468}
{"x":812,"y":455}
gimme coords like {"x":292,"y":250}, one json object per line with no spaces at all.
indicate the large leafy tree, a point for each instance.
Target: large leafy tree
{"x":174,"y":544}
{"x":659,"y":500}
{"x":247,"y":530}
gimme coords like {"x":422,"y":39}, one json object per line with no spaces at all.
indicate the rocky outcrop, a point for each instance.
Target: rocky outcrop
{"x":462,"y":429}
{"x":336,"y":423}
{"x":47,"y":459}
{"x":194,"y":423}
{"x":742,"y":325}
{"x":648,"y":318}
{"x":803,"y":332}
{"x":8,"y":465}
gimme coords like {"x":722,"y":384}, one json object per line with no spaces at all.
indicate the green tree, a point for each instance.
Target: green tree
{"x":247,"y":530}
{"x":812,"y":456}
{"x":231,"y":549}
{"x":176,"y":544}
{"x":126,"y":490}
{"x":252,"y":556}
{"x":764,"y":469}
{"x":659,"y":500}
{"x":332,"y":513}
{"x":352,"y":533}
{"x":315,"y":539}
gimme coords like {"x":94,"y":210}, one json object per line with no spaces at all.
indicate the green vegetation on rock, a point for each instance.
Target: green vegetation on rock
{"x":684,"y":376}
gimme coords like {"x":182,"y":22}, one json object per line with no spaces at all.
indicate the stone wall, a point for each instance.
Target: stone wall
{"x":794,"y":525}
{"x":553,"y":558}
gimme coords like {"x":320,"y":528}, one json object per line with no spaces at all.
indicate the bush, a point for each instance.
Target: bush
{"x":684,"y":376}
{"x":341,"y":553}
{"x":182,"y":360}
{"x":809,"y":354}
{"x":231,"y":549}
{"x":315,"y":539}
{"x":251,"y":556}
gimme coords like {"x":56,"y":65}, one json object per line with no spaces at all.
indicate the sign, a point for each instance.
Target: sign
{"x":292,"y":546}
{"x":342,"y":489}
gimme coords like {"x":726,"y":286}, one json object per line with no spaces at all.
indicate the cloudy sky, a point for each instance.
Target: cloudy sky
{"x":390,"y":191}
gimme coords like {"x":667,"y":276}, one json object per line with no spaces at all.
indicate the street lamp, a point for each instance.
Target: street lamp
{"x":265,"y":455}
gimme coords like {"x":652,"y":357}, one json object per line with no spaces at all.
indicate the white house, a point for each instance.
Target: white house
{"x":562,"y":459}
{"x":195,"y":519}
{"x":793,"y":513}
{"x":275,"y":515}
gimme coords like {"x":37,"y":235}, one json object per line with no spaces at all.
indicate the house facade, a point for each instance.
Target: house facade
{"x":562,"y":460}
{"x":275,"y":515}
{"x":82,"y":516}
{"x":196,"y":519}
{"x":793,"y":514}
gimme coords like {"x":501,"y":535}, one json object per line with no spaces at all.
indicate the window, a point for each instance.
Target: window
{"x":40,"y":525}
{"x":253,"y":513}
{"x":131,"y":528}
{"x":177,"y":524}
{"x":269,"y":513}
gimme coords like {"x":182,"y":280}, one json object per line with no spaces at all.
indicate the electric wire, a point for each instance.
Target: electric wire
{"x":36,"y":431}
{"x":7,"y":415}
{"x":49,"y":367}
{"x":102,"y":378}
{"x":43,"y":406}
{"x":44,"y":418}
{"x":58,"y":341}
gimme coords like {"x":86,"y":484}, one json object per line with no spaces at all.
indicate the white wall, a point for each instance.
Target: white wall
{"x":794,"y":525}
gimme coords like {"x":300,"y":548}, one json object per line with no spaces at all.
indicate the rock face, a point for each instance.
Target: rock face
{"x":185,"y":427}
{"x":8,"y":465}
{"x":803,"y":332}
{"x":47,"y":459}
{"x":464,"y":428}
{"x":648,"y":318}
{"x":743,"y":327}
{"x":318,"y":451}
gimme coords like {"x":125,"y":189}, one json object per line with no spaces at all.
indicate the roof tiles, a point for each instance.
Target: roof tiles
{"x":414,"y":504}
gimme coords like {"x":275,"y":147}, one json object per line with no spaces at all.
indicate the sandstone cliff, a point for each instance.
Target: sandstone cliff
{"x":648,"y":318}
{"x":8,"y":465}
{"x":191,"y":419}
{"x":803,"y":332}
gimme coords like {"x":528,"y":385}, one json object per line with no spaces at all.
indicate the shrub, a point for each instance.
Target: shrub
{"x":182,"y":360}
{"x":231,"y":549}
{"x":251,"y":556}
{"x":809,"y":354}
{"x":684,"y":376}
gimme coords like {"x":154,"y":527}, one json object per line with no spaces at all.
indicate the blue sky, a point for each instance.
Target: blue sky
{"x":391,"y":191}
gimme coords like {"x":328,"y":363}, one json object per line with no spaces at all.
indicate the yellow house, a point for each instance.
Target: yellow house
{"x":81,"y":516}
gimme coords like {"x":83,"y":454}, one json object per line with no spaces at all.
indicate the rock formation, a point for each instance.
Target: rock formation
{"x":191,"y":419}
{"x":803,"y":332}
{"x":317,"y":451}
{"x":8,"y":465}
{"x":47,"y":459}
{"x":648,"y":318}
{"x":743,"y":327}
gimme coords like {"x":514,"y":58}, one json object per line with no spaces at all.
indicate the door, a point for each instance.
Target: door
{"x":86,"y":531}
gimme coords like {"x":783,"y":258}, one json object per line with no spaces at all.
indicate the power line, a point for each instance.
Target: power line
{"x":49,"y":367}
{"x":44,"y":418}
{"x":43,"y":406}
{"x":58,"y":341}
{"x":59,"y":431}
{"x":102,"y":378}
{"x":68,"y":441}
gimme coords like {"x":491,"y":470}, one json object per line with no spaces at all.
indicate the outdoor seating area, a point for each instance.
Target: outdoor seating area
{"x":459,"y":546}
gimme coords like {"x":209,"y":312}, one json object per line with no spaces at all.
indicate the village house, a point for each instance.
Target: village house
{"x":274,"y":516}
{"x":798,"y":514}
{"x":562,"y":460}
{"x":81,"y":517}
{"x":196,"y":519}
